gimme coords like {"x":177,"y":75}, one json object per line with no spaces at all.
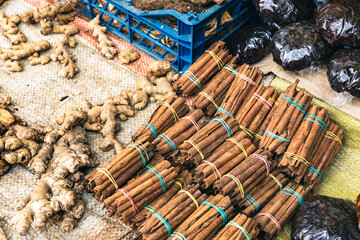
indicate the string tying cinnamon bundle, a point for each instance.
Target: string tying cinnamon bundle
{"x":292,"y":107}
{"x":296,"y":159}
{"x":206,"y":221}
{"x":172,"y":214}
{"x":200,"y":72}
{"x":277,"y":213}
{"x":127,"y":201}
{"x":323,"y":154}
{"x":263,"y":193}
{"x":244,"y":85}
{"x":204,"y":142}
{"x":224,"y":158}
{"x":181,"y":182}
{"x":168,"y":113}
{"x":211,"y":97}
{"x":238,"y":182}
{"x":108,"y":178}
{"x":240,"y":228}
{"x":187,"y":126}
{"x":255,"y":110}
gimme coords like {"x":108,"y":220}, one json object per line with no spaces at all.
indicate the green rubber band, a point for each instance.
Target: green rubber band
{"x":321,"y":123}
{"x":246,"y":233}
{"x":178,"y":235}
{"x":150,"y":208}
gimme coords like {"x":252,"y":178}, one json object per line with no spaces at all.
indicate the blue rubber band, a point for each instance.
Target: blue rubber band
{"x":223,"y":214}
{"x":246,"y":233}
{"x":178,"y":235}
{"x":276,"y":136}
{"x":252,"y":202}
{"x":292,"y":193}
{"x":150,"y":208}
{"x":316,"y":172}
{"x":169,"y":141}
{"x":159,"y":175}
{"x":152,"y":129}
{"x":167,"y":225}
{"x":321,"y":123}
{"x":226,"y":126}
{"x":228,"y":67}
{"x":220,"y":109}
{"x":302,"y":109}
{"x":141,"y":153}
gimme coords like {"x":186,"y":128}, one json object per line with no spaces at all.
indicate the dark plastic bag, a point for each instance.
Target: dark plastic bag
{"x":320,"y":3}
{"x":344,"y":71}
{"x":299,"y":46}
{"x":339,"y":23}
{"x":285,"y":11}
{"x":325,"y":218}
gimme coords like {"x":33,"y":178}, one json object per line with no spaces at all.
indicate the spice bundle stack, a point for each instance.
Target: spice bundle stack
{"x":242,"y":161}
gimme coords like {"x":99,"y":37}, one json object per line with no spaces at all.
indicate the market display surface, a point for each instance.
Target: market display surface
{"x":215,"y":152}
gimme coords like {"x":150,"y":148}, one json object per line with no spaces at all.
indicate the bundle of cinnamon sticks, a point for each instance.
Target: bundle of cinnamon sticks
{"x":127,"y":201}
{"x":172,"y":214}
{"x":164,"y":117}
{"x":182,"y":130}
{"x":293,"y":106}
{"x":106,"y":179}
{"x":296,"y":159}
{"x":206,"y":221}
{"x":224,"y":159}
{"x":201,"y":71}
{"x":201,"y":144}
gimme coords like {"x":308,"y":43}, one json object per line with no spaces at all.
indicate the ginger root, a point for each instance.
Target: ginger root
{"x":62,"y":56}
{"x":106,"y":46}
{"x":10,"y":29}
{"x":129,"y":55}
{"x":159,"y":68}
{"x":35,"y":59}
{"x":68,"y":30}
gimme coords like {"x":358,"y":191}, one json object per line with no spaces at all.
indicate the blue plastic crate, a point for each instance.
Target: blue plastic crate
{"x":168,"y":34}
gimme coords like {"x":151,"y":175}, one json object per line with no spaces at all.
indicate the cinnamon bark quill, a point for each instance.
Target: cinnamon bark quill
{"x":206,"y":221}
{"x":246,"y":81}
{"x":240,"y":228}
{"x":107,"y":179}
{"x":277,"y":213}
{"x":238,"y":182}
{"x":164,"y":117}
{"x":255,"y":110}
{"x":134,"y":196}
{"x":201,"y":144}
{"x":182,"y":130}
{"x":263,"y":193}
{"x":184,"y":179}
{"x":200,"y":72}
{"x":211,"y":97}
{"x":292,"y":107}
{"x":224,"y":159}
{"x":296,"y":159}
{"x":172,"y":214}
{"x":323,"y":155}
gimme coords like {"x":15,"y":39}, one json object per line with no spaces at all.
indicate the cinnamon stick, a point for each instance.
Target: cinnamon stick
{"x":232,"y":232}
{"x":182,"y":130}
{"x":296,"y":158}
{"x":224,"y":159}
{"x":164,"y":117}
{"x":292,"y":107}
{"x":201,"y":144}
{"x":200,"y":72}
{"x":322,"y":156}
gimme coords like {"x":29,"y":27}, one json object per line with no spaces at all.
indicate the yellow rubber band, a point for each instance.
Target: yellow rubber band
{"x":276,"y":180}
{"x":250,"y":133}
{"x":333,"y":136}
{"x":182,"y":180}
{"x":276,"y":103}
{"x":172,"y":110}
{"x":178,"y":183}
{"x":238,"y":183}
{"x":191,"y":197}
{"x":217,"y":59}
{"x":204,"y":94}
{"x":297,"y":157}
{"x":108,"y":174}
{"x":239,"y":144}
{"x":196,"y":147}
